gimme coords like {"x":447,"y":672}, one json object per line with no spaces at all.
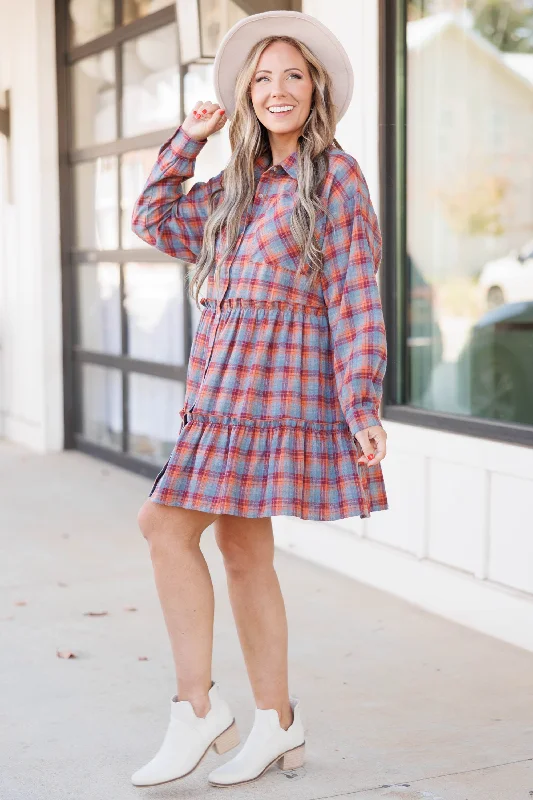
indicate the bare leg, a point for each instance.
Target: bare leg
{"x":186,"y":594}
{"x":247,"y":547}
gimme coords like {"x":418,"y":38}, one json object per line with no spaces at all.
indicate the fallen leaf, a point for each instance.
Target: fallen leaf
{"x":130,"y":608}
{"x":143,"y":658}
{"x":66,"y":654}
{"x":21,"y":602}
{"x":95,"y":613}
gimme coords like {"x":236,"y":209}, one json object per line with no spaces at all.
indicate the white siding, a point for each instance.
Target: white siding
{"x":30,"y":286}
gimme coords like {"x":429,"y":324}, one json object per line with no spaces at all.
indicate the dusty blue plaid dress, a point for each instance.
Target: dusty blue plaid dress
{"x":283,"y":371}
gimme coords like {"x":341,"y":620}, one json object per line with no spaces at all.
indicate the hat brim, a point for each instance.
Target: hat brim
{"x":236,"y":44}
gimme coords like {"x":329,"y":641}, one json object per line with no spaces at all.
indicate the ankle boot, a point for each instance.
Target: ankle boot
{"x":268,"y":742}
{"x":188,"y":738}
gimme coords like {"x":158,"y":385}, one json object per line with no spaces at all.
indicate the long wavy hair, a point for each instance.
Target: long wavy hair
{"x":249,"y":140}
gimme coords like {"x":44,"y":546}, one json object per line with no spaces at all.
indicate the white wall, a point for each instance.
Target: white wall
{"x":456,"y":539}
{"x":31,"y":406}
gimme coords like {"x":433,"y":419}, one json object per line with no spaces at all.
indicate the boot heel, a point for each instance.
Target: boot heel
{"x":292,"y":759}
{"x":227,"y":739}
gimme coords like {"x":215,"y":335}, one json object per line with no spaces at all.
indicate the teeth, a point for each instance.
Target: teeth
{"x":281,"y":108}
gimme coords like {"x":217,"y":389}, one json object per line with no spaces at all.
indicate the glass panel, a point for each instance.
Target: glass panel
{"x":94,"y":100}
{"x":89,"y":19}
{"x":101,"y":405}
{"x":135,"y":168}
{"x":470,"y":208}
{"x":154,"y":305}
{"x":197,"y":85}
{"x":154,"y":421}
{"x":135,"y":9}
{"x":96,"y":204}
{"x":151,"y":95}
{"x":98,"y":294}
{"x":216,"y":18}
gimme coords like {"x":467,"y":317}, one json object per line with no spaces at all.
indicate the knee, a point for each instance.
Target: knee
{"x":166,"y":528}
{"x":240,"y":559}
{"x":147,"y":519}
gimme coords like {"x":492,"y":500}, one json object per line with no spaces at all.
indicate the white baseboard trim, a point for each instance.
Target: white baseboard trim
{"x":484,"y":606}
{"x":24,"y":432}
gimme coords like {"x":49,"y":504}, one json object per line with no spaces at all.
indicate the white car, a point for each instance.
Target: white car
{"x":508,"y":279}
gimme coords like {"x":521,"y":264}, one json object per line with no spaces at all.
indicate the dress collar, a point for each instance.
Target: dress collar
{"x":289,"y":164}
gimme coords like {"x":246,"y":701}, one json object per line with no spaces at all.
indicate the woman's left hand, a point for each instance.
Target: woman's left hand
{"x":373,"y":442}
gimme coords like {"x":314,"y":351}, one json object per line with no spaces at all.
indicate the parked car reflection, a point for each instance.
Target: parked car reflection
{"x":496,"y":365}
{"x":508,"y":279}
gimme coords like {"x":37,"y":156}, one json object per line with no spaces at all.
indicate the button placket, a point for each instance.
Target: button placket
{"x":225,"y":282}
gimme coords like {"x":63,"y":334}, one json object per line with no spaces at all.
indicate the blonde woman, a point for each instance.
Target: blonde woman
{"x":281,"y":408}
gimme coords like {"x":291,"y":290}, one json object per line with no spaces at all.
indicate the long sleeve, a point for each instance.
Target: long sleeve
{"x":352,"y":256}
{"x":166,"y":217}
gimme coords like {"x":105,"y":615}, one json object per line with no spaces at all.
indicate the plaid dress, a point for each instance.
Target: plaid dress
{"x":283,"y":371}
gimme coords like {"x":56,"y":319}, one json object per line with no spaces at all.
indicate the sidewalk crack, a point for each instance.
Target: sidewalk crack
{"x":406,"y":781}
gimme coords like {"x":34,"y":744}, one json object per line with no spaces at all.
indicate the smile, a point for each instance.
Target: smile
{"x":281,"y":109}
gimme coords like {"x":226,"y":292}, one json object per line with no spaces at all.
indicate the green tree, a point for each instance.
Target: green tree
{"x":508,"y":24}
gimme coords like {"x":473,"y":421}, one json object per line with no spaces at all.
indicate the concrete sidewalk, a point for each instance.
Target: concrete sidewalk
{"x":397,"y":703}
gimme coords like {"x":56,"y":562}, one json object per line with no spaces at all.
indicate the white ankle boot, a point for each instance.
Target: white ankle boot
{"x":268,"y":742}
{"x":188,"y":738}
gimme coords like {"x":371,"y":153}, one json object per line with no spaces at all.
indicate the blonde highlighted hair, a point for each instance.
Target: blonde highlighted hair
{"x":249,"y":140}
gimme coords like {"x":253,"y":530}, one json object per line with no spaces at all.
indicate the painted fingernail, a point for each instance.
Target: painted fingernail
{"x":371,"y":455}
{"x":204,"y":110}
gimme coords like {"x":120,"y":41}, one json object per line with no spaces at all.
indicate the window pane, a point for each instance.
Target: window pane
{"x":470,"y":208}
{"x":216,"y":18}
{"x":154,"y":421}
{"x":94,"y":100}
{"x":98,"y":288}
{"x":154,"y":306}
{"x":135,"y":168}
{"x":135,"y":9}
{"x":151,"y":98}
{"x":89,"y":19}
{"x":101,"y":405}
{"x":96,"y":204}
{"x":197,"y":84}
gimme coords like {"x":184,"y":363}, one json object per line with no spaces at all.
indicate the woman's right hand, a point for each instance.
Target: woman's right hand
{"x":203,"y":120}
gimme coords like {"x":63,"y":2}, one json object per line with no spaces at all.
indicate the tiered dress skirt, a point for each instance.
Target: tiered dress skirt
{"x":263,"y":432}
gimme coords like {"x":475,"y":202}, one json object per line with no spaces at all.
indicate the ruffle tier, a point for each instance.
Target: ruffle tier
{"x":251,"y":467}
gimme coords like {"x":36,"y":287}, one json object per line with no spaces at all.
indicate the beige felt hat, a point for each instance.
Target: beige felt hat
{"x":237,"y":42}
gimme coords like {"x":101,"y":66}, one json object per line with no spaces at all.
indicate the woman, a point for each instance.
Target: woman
{"x":281,"y":409}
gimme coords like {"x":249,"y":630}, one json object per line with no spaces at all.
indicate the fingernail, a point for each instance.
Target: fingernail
{"x":371,"y":455}
{"x":204,"y":110}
